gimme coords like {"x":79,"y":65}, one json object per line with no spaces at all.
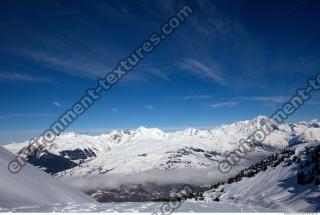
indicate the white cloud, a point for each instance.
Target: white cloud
{"x":77,"y":64}
{"x":7,"y":116}
{"x":190,"y":97}
{"x":271,"y":99}
{"x":159,"y":73}
{"x":202,"y":70}
{"x":263,"y":99}
{"x":190,"y":176}
{"x":224,"y":104}
{"x":149,"y":107}
{"x":57,"y":104}
{"x":73,"y":64}
{"x":22,"y":77}
{"x":115,"y":110}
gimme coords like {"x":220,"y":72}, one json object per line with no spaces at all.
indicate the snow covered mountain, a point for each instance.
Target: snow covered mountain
{"x":288,"y":181}
{"x":32,"y":190}
{"x":144,"y":163}
{"x":133,"y":151}
{"x":33,"y":187}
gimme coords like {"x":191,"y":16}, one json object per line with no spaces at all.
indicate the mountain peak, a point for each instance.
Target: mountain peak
{"x":141,"y":127}
{"x":191,"y":131}
{"x":262,"y":117}
{"x":149,"y":132}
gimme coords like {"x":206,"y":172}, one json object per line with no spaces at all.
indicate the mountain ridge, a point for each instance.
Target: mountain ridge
{"x":131,"y":151}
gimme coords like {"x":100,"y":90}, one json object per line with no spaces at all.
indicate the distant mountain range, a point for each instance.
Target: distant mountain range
{"x":133,"y":151}
{"x":145,"y":164}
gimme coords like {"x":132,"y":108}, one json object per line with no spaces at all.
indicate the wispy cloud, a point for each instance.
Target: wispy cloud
{"x":191,"y":97}
{"x":313,"y":102}
{"x":29,"y":132}
{"x":73,"y":64}
{"x":115,"y":110}
{"x":17,"y":115}
{"x":216,"y":24}
{"x":235,"y":101}
{"x":79,"y":64}
{"x":149,"y":107}
{"x":244,"y":60}
{"x":159,"y":73}
{"x":271,"y":99}
{"x":57,"y":104}
{"x":203,"y":70}
{"x":259,"y":99}
{"x":22,"y":77}
{"x":224,"y":104}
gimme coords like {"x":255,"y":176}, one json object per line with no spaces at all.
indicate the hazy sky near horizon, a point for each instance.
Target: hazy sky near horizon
{"x":232,"y":60}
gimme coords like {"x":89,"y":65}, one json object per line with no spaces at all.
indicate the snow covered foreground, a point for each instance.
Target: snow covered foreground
{"x":32,"y":190}
{"x":141,"y":207}
{"x":32,"y":186}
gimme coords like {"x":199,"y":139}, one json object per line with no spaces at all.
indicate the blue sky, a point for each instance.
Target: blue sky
{"x":233,"y":60}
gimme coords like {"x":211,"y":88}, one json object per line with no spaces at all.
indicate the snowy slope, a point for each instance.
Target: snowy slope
{"x":32,"y":186}
{"x":274,"y":188}
{"x":143,"y":207}
{"x":132,"y":151}
{"x":307,"y":136}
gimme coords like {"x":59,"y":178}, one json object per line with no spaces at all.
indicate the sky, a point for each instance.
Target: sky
{"x":232,"y":60}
